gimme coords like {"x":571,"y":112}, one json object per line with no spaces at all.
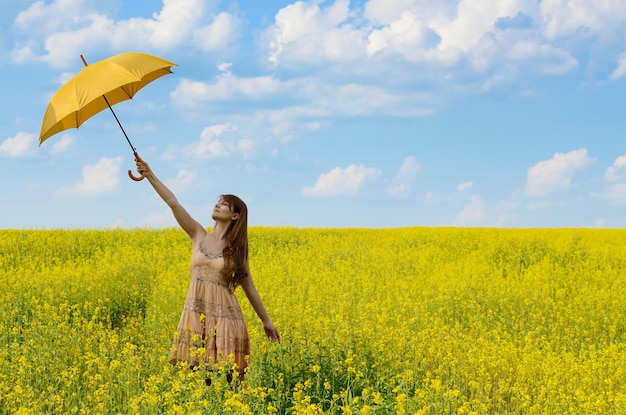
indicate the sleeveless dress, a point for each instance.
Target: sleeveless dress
{"x":211,"y":318}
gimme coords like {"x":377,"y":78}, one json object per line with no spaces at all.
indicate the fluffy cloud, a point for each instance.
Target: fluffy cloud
{"x":555,"y":174}
{"x":461,"y":187}
{"x":51,"y":17}
{"x":305,"y":32}
{"x":620,"y":71}
{"x":562,"y":18}
{"x":545,"y":58}
{"x":64,"y":37}
{"x":483,"y":32}
{"x":247,"y":147}
{"x":100,"y":178}
{"x":214,"y":142}
{"x":342,"y":181}
{"x":617,"y":170}
{"x":405,"y":36}
{"x":447,"y":33}
{"x":22,"y":145}
{"x":304,"y":98}
{"x":222,"y":31}
{"x":62,"y":143}
{"x":473,"y":213}
{"x":226,"y":87}
{"x":401,"y":183}
{"x":615,"y":191}
{"x":183,"y":179}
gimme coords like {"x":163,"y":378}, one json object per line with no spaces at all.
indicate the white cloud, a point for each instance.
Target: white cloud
{"x":60,"y":145}
{"x":64,"y":44}
{"x":357,"y":99}
{"x":546,"y":58}
{"x":410,"y":167}
{"x":615,"y":192}
{"x":401,"y":183}
{"x":100,"y":178}
{"x":384,"y":12}
{"x":461,"y":187}
{"x":342,"y":181}
{"x":22,"y":145}
{"x":183,"y":180}
{"x":617,"y":170}
{"x":447,"y":33}
{"x":227,"y":87}
{"x":223,"y":31}
{"x":247,"y":147}
{"x":22,"y":54}
{"x":305,"y":32}
{"x":65,"y":28}
{"x":620,"y":71}
{"x":615,"y":175}
{"x":305,"y":99}
{"x":472,"y":20}
{"x":173,"y":24}
{"x":221,"y":141}
{"x":405,"y":35}
{"x":453,"y":197}
{"x":50,"y":17}
{"x":473,"y":213}
{"x":399,"y":189}
{"x":210,"y":144}
{"x":439,"y":33}
{"x":569,"y":17}
{"x":506,"y":212}
{"x":555,"y":174}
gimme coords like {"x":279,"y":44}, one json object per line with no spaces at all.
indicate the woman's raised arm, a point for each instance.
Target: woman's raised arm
{"x":192,"y":227}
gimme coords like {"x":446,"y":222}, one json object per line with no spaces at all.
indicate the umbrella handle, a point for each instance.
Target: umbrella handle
{"x":135,"y":178}
{"x":130,"y":173}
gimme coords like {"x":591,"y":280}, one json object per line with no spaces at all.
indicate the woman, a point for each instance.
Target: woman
{"x":212,"y":318}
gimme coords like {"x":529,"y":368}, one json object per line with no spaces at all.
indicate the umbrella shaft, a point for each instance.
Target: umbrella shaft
{"x":120,"y":124}
{"x":113,"y":112}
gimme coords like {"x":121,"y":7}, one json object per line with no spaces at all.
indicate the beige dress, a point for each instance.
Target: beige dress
{"x":212,"y":318}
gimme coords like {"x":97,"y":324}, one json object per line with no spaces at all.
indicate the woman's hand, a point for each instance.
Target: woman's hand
{"x":271,"y":333}
{"x":142,"y":167}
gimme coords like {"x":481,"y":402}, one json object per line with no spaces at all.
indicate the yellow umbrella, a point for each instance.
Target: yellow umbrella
{"x":99,"y":86}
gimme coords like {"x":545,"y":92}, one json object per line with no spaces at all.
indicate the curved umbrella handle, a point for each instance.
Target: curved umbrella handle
{"x":135,"y":178}
{"x":130,"y":173}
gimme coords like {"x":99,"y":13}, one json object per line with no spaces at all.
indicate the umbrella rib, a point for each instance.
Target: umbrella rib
{"x":126,"y":92}
{"x":77,"y":121}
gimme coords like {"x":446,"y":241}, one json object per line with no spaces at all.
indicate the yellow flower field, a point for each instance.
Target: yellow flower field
{"x":374,"y":321}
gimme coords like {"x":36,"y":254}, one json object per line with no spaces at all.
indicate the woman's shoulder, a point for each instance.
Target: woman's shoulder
{"x":199,"y":235}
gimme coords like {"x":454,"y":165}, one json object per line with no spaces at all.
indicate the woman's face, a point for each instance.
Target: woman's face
{"x":222,"y":211}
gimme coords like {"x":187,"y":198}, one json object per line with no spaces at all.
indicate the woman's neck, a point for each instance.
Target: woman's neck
{"x":219,"y":230}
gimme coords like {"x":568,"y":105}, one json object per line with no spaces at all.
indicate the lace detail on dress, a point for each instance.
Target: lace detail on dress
{"x":209,"y":255}
{"x":208,"y":308}
{"x":208,"y":274}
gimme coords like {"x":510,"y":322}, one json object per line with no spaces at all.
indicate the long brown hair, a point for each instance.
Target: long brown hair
{"x":236,"y":251}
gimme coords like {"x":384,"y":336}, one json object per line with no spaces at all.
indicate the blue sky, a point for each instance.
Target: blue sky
{"x":379,"y":113}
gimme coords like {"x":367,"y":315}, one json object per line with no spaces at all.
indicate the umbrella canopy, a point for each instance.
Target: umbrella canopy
{"x":117,"y":79}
